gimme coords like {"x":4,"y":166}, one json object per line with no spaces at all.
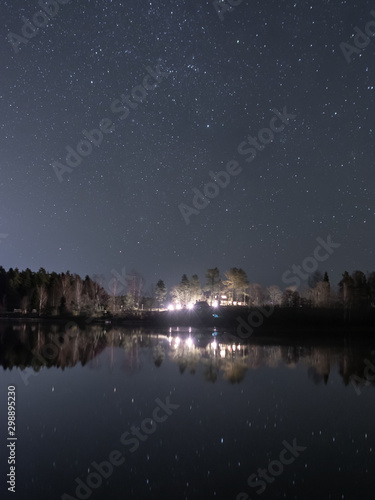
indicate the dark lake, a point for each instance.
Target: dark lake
{"x":129,"y":413}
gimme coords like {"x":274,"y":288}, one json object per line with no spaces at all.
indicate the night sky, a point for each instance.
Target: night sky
{"x":222,"y":80}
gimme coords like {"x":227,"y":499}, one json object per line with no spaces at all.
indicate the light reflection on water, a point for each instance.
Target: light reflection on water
{"x":78,"y":392}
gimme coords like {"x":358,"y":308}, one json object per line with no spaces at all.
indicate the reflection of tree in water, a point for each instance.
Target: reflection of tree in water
{"x":39,"y":345}
{"x":234,"y":371}
{"x":192,"y":361}
{"x":133,"y":342}
{"x":44,"y":345}
{"x":229,"y":358}
{"x":130,"y":343}
{"x":182,"y":364}
{"x":317,"y":377}
{"x":290,"y":355}
{"x":211,"y":369}
{"x":158,"y":355}
{"x":186,"y":356}
{"x":358,"y":369}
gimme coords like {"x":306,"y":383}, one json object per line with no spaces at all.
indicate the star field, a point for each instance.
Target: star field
{"x":120,"y":206}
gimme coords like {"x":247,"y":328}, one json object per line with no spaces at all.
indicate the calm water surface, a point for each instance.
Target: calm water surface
{"x":119,"y":413}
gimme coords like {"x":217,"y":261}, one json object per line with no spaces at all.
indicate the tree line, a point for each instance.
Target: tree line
{"x":354,"y":290}
{"x":50,"y":293}
{"x":42,"y":292}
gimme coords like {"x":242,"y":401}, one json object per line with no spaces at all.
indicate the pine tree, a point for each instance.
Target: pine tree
{"x":160,"y":293}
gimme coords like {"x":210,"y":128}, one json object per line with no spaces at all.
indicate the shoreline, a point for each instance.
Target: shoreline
{"x":282,"y":323}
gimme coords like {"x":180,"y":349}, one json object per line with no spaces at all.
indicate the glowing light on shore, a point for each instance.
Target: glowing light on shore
{"x":189,"y":342}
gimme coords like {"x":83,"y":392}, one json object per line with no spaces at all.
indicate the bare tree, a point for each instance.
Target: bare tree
{"x":256,"y":294}
{"x":213,"y":282}
{"x":135,"y":284}
{"x":275,"y":295}
{"x":321,"y":294}
{"x":78,"y":288}
{"x":42,"y":297}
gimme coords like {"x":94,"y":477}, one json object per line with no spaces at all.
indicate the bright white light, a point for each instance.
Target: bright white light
{"x":214,"y":345}
{"x":177,"y":341}
{"x":170,"y":307}
{"x":178,"y":306}
{"x":222,"y":353}
{"x":233,"y":347}
{"x":189,"y":342}
{"x":215,"y":303}
{"x":191,"y":305}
